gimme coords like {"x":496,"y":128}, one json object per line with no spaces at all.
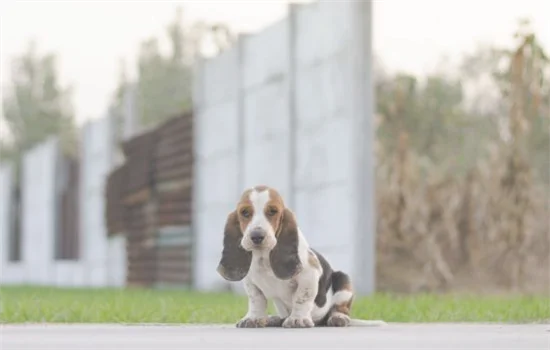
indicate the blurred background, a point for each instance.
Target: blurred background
{"x":128,"y":131}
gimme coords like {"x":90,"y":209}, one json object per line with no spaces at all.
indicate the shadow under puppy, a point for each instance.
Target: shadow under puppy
{"x":264,"y":247}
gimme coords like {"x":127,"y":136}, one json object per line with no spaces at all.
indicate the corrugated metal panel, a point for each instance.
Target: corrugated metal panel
{"x":174,"y":152}
{"x":136,"y":251}
{"x":68,"y":236}
{"x":141,"y":252}
{"x":150,"y":199}
{"x":139,"y":152}
{"x":174,"y":208}
{"x":114,"y":192}
{"x":174,"y":252}
{"x":174,"y":185}
{"x":10,"y":218}
{"x":6,"y":205}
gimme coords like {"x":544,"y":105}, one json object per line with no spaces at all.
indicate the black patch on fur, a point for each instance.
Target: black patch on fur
{"x":340,"y":281}
{"x":284,"y":258}
{"x":325,"y":280}
{"x":235,"y":261}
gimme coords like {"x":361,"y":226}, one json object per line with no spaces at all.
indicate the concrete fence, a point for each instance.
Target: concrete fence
{"x":291,"y":107}
{"x":100,"y":261}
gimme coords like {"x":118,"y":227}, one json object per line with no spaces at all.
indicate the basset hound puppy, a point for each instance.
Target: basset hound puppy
{"x":264,"y":247}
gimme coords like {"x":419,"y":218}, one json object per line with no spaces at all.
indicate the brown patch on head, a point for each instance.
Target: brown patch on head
{"x":245,"y":210}
{"x":272,"y":210}
{"x":235,"y":261}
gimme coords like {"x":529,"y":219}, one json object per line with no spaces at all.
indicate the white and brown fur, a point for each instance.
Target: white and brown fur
{"x":281,"y":266}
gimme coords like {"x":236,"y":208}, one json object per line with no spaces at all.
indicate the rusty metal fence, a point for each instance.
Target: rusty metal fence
{"x":149,"y":199}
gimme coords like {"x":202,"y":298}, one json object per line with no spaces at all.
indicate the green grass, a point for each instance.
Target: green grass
{"x":37,"y":304}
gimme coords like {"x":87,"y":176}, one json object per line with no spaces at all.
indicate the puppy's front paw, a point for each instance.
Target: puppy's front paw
{"x":275,"y":321}
{"x":298,"y":322}
{"x":252,"y":322}
{"x":338,"y":320}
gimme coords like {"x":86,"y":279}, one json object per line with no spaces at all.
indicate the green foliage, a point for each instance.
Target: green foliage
{"x":116,"y":105}
{"x":432,"y":115}
{"x":441,"y":127}
{"x":5,"y":151}
{"x":164,"y":81}
{"x":36,"y":106}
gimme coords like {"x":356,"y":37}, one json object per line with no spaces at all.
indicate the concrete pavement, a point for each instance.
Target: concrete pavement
{"x":164,"y":337}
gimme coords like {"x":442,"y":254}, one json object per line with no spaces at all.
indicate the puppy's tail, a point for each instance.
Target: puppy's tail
{"x":355,"y":322}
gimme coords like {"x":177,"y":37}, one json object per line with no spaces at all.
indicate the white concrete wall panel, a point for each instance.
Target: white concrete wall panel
{"x":329,"y":20}
{"x":267,"y":137}
{"x":266,"y":55}
{"x":103,"y":263}
{"x":216,"y":177}
{"x":220,"y":78}
{"x":38,"y":212}
{"x":324,"y":131}
{"x":116,"y":263}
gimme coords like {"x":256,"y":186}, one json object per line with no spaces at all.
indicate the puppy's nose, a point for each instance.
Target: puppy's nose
{"x":257,"y":235}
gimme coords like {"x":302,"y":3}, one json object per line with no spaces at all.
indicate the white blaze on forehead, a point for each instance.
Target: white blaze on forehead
{"x":259,"y":201}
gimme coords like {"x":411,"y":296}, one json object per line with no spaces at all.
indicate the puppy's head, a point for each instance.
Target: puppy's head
{"x":261,"y":222}
{"x":260,"y":212}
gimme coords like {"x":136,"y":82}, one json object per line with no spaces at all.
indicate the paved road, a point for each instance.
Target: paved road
{"x":164,"y":337}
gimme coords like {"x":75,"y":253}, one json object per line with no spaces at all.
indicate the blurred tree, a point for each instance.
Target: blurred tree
{"x":521,"y":76}
{"x":5,"y":151}
{"x":35,"y":106}
{"x":431,"y":115}
{"x":451,"y":120}
{"x":526,"y":87}
{"x":164,"y":82}
{"x":116,"y":105}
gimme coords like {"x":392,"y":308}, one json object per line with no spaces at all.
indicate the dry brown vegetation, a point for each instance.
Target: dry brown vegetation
{"x":485,"y":231}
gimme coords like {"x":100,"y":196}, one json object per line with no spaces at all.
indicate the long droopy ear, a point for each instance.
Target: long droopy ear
{"x":284,"y":258}
{"x":235,"y":261}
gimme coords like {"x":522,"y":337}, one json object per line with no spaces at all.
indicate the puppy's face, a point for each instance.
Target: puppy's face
{"x":260,"y":212}
{"x":261,"y":222}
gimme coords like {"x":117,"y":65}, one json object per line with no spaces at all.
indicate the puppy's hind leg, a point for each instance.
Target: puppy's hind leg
{"x":340,"y":313}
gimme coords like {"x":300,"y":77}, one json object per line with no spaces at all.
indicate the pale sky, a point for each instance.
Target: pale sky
{"x":90,"y":37}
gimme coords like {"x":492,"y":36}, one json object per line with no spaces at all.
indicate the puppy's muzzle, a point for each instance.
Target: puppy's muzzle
{"x":257,"y":236}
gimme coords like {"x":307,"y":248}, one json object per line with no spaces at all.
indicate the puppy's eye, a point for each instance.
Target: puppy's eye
{"x":272,"y":211}
{"x":245,"y":212}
